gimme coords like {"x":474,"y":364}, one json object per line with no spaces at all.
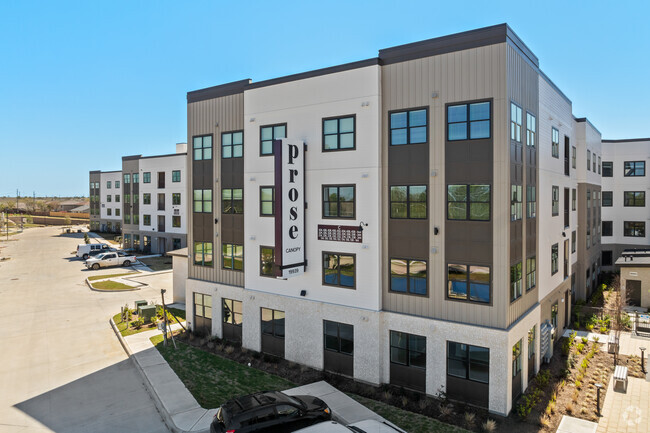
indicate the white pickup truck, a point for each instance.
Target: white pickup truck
{"x":118,"y":258}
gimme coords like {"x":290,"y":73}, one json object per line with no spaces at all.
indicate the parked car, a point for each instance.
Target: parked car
{"x":269,"y":411}
{"x":367,"y":426}
{"x":115,"y":258}
{"x":86,"y":250}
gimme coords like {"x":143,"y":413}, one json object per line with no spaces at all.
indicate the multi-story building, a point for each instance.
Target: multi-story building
{"x":154,"y":201}
{"x":105,"y":204}
{"x":451,"y":204}
{"x":625,"y":185}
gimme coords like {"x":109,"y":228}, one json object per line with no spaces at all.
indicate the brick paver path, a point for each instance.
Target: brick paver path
{"x":626,"y":412}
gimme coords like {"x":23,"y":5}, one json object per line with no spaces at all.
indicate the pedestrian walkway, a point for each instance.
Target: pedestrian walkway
{"x":626,"y":412}
{"x":628,"y":342}
{"x":570,"y":424}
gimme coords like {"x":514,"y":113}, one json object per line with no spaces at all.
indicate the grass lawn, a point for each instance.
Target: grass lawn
{"x":213,"y":380}
{"x":110,"y":285}
{"x":158,"y":263}
{"x":101,"y":277}
{"x":409,"y":421}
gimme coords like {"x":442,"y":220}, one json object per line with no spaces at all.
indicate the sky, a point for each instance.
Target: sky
{"x":84,"y":83}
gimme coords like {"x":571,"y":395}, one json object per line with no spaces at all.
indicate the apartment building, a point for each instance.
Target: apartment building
{"x":625,"y":185}
{"x":105,"y":203}
{"x":439,"y":199}
{"x":154,"y":201}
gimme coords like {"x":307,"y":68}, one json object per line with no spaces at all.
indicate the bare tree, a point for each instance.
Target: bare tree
{"x":620,"y":302}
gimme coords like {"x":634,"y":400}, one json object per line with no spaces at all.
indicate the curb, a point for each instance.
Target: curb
{"x":167,"y":419}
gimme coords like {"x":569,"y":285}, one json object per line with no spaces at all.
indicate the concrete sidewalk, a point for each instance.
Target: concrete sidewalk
{"x":180,"y":410}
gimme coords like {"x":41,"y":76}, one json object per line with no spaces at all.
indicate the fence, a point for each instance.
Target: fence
{"x":70,"y":214}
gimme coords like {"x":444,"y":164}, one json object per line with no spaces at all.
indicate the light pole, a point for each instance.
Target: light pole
{"x":598,"y":387}
{"x":642,"y":360}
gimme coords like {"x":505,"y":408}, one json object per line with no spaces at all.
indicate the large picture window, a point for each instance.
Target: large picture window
{"x":634,"y":198}
{"x":468,"y":202}
{"x":202,"y":253}
{"x":232,"y":200}
{"x":468,"y":362}
{"x":408,"y":349}
{"x":339,"y":133}
{"x":232,"y":144}
{"x":408,"y":201}
{"x":634,"y":229}
{"x":468,"y":282}
{"x":268,"y":134}
{"x":338,"y":337}
{"x":634,"y":168}
{"x":338,"y":201}
{"x":339,"y":270}
{"x":232,"y":257}
{"x":468,"y":121}
{"x":408,"y":276}
{"x":203,"y":200}
{"x":408,"y":127}
{"x":202,"y":147}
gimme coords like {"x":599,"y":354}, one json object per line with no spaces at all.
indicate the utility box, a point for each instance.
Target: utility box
{"x":146,"y":312}
{"x":139,"y":304}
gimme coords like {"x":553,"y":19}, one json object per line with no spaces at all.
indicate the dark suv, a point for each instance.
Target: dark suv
{"x":269,"y":411}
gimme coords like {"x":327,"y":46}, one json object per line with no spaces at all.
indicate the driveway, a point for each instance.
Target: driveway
{"x":62,"y":368}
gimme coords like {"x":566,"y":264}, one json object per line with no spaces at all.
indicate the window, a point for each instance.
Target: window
{"x":146,"y":220}
{"x":146,"y":198}
{"x":273,"y":322}
{"x":146,"y":177}
{"x":408,"y":201}
{"x":588,"y":234}
{"x":408,"y":276}
{"x":588,"y":199}
{"x":338,"y":337}
{"x":136,"y":242}
{"x":176,"y":243}
{"x":203,"y":305}
{"x":161,"y":179}
{"x":127,"y":198}
{"x":468,"y":362}
{"x":267,"y":261}
{"x":468,"y":121}
{"x":515,"y":281}
{"x":588,"y":160}
{"x":594,"y":163}
{"x":231,"y":312}
{"x":203,"y":253}
{"x":515,"y":202}
{"x":176,"y":175}
{"x":554,"y":259}
{"x":232,"y":200}
{"x":176,"y":221}
{"x":117,"y":184}
{"x":161,"y":201}
{"x":634,"y":168}
{"x":203,"y":200}
{"x":531,"y":129}
{"x":408,"y":127}
{"x":108,"y":184}
{"x":515,"y":122}
{"x":531,"y":202}
{"x":232,"y":257}
{"x":531,"y":343}
{"x":270,"y":133}
{"x":468,"y":282}
{"x":608,"y":169}
{"x":127,"y":179}
{"x":127,"y":217}
{"x":607,"y":258}
{"x":599,"y":164}
{"x":516,"y":358}
{"x":202,"y":147}
{"x":573,"y":241}
{"x":339,"y":270}
{"x":176,"y":198}
{"x":531,"y":273}
{"x":608,"y":228}
{"x":554,"y":315}
{"x":338,"y":133}
{"x":468,"y":202}
{"x":136,"y":178}
{"x":634,"y":198}
{"x":338,"y":201}
{"x":607,"y":199}
{"x":136,"y":218}
{"x":555,"y":143}
{"x":267,"y":200}
{"x":555,"y":210}
{"x":108,"y":211}
{"x":108,"y":198}
{"x":573,"y":199}
{"x":573,"y":157}
{"x":408,"y":349}
{"x":634,"y":228}
{"x":232,"y":144}
{"x":117,"y":212}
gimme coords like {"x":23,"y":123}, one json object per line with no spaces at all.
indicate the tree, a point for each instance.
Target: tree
{"x":620,"y":301}
{"x":67,"y":220}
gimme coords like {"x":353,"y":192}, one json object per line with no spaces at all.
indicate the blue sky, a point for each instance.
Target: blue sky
{"x":84,"y":83}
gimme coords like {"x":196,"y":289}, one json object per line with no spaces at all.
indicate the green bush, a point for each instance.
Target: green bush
{"x":543,"y":378}
{"x":580,"y":347}
{"x":626,"y":321}
{"x":137,"y":324}
{"x":589,"y":327}
{"x":585,"y":340}
{"x":528,"y":401}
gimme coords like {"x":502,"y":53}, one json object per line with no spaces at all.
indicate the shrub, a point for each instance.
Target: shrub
{"x":566,"y":346}
{"x":86,"y":238}
{"x":580,"y":347}
{"x":446,"y":410}
{"x":575,"y":396}
{"x":603,"y":329}
{"x":578,"y":384}
{"x":544,"y":421}
{"x":528,"y":401}
{"x":626,"y":321}
{"x":470,"y":418}
{"x":154,"y":319}
{"x":490,"y":426}
{"x":387,"y":395}
{"x":229,"y":350}
{"x":569,"y":408}
{"x":543,"y":377}
{"x":585,"y":340}
{"x":137,"y":324}
{"x":423,"y":403}
{"x":589,"y":327}
{"x":405,"y":401}
{"x":596,"y":339}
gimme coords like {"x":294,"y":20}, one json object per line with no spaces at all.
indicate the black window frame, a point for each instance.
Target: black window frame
{"x":516,"y":125}
{"x":531,"y":134}
{"x":555,"y":200}
{"x":630,"y":228}
{"x":408,"y":276}
{"x":408,"y":202}
{"x":607,"y":228}
{"x":146,"y":219}
{"x":176,"y":221}
{"x":608,"y":171}
{"x":202,"y":148}
{"x":273,"y":332}
{"x":339,"y":343}
{"x":325,"y":201}
{"x":468,"y":284}
{"x":531,"y":205}
{"x":325,"y":256}
{"x":555,"y":142}
{"x":555,"y":262}
{"x":468,"y":121}
{"x":176,"y":176}
{"x":634,"y":198}
{"x":607,"y":198}
{"x":229,"y":206}
{"x":146,"y":177}
{"x":202,"y":253}
{"x":146,"y":198}
{"x":228,"y":312}
{"x":338,"y":133}
{"x":468,"y":361}
{"x":272,"y":201}
{"x":232,"y":146}
{"x":202,"y":201}
{"x":232,"y":257}
{"x":408,"y":349}
{"x":531,"y":273}
{"x":632,"y":165}
{"x":516,"y":281}
{"x":176,"y":199}
{"x":516,"y":202}
{"x":273,"y":137}
{"x":468,"y":202}
{"x":272,"y":273}
{"x":408,"y":127}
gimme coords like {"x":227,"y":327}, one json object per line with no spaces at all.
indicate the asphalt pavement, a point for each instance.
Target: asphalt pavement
{"x":62,"y":368}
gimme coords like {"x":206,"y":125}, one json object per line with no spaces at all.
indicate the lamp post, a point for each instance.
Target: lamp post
{"x":598,"y":387}
{"x":642,"y":360}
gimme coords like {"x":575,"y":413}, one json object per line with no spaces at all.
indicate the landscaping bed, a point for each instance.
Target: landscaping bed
{"x":566,"y":386}
{"x":133,"y":325}
{"x":410,"y":410}
{"x":111,"y":286}
{"x":103,"y":277}
{"x":157,"y":263}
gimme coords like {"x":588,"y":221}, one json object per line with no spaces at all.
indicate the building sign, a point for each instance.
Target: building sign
{"x":289,"y":207}
{"x":340,"y":233}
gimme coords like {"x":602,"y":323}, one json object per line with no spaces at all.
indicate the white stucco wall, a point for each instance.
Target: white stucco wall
{"x":104,"y":192}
